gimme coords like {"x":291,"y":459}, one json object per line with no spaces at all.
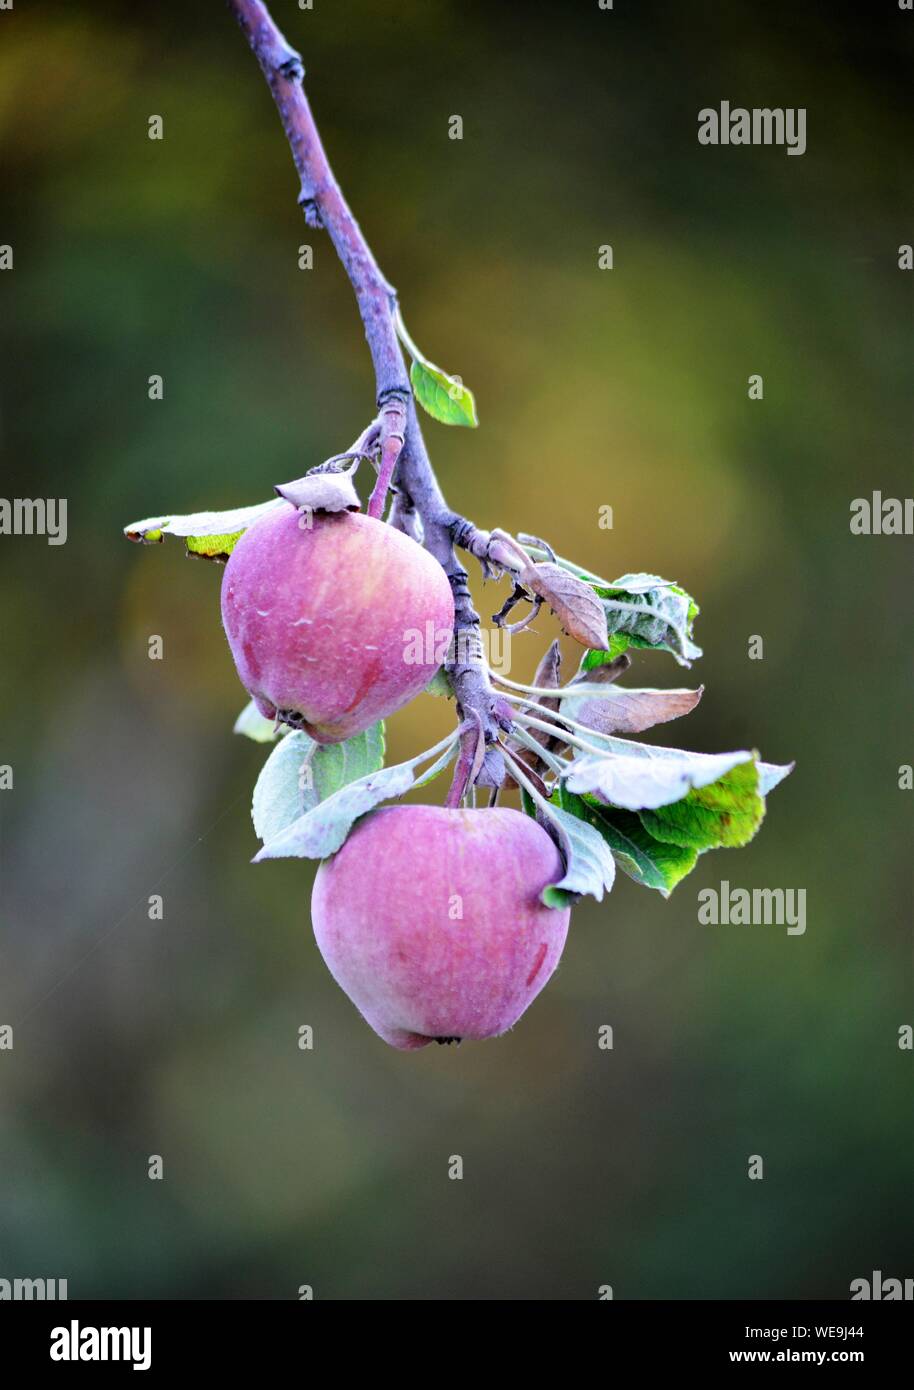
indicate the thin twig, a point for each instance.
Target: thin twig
{"x":404,"y":459}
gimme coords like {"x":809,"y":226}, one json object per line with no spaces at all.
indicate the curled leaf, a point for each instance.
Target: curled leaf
{"x":322,"y":829}
{"x":299,"y":774}
{"x":770,"y":774}
{"x":589,"y":865}
{"x":212,"y":534}
{"x":658,"y":847}
{"x":254,"y":726}
{"x":492,"y":770}
{"x":547,"y":677}
{"x":322,"y":492}
{"x":575,"y":604}
{"x":638,"y":784}
{"x":650,"y":862}
{"x":643,"y":610}
{"x":440,"y":685}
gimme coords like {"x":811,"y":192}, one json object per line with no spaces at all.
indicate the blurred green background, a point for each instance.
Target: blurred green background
{"x":625,"y":388}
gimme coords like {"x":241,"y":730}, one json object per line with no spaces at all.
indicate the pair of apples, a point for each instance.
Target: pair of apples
{"x":429,"y":918}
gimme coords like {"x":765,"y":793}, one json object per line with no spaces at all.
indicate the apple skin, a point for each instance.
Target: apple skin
{"x":381,"y":914}
{"x":317,"y":619}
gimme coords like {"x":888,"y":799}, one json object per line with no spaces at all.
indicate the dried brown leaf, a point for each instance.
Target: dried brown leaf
{"x":547,"y":676}
{"x":620,"y":711}
{"x":573,"y":602}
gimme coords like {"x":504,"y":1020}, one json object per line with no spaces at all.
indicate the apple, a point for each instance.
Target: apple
{"x":430,"y":920}
{"x":321,"y":619}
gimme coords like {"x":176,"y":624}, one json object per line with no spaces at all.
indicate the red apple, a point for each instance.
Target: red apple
{"x":431,"y":921}
{"x":336,"y":625}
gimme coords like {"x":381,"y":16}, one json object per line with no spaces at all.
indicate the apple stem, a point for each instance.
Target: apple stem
{"x":390,"y":439}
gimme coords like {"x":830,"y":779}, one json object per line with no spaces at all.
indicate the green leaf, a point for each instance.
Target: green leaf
{"x":213,"y":547}
{"x":214,"y":535}
{"x":627,"y":747}
{"x":252,"y":725}
{"x":649,"y":862}
{"x":554,"y":896}
{"x":725,"y":813}
{"x":440,"y":685}
{"x":721,"y":809}
{"x":619,"y":642}
{"x":643,"y":610}
{"x":321,"y":830}
{"x":444,"y":397}
{"x":299,"y":774}
{"x":589,"y":865}
{"x":659,"y":847}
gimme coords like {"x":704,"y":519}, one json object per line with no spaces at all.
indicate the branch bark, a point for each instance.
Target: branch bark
{"x":404,"y":459}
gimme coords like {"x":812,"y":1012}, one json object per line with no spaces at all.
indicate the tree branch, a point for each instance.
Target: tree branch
{"x":404,"y":460}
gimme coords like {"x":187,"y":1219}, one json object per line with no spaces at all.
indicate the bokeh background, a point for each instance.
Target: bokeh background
{"x":625,"y":388}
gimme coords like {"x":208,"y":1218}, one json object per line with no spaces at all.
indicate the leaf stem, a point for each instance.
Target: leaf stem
{"x":566,"y":719}
{"x":529,"y":722}
{"x":404,"y":337}
{"x":574,"y":687}
{"x":577,"y":570}
{"x":645,"y":610}
{"x":514,"y":767}
{"x":552,"y":761}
